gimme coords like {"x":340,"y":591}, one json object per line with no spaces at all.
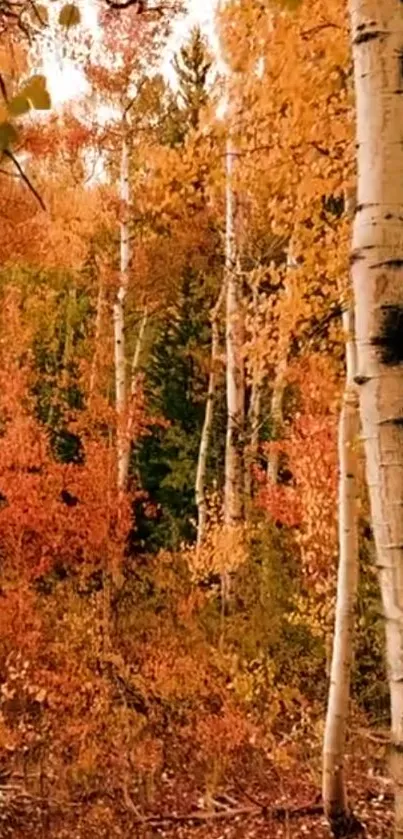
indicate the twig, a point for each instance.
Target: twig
{"x":375,"y":736}
{"x":3,"y":88}
{"x":25,"y":178}
{"x":278,"y":813}
{"x":197,"y":816}
{"x":315,"y":29}
{"x":247,"y":794}
{"x":139,"y":4}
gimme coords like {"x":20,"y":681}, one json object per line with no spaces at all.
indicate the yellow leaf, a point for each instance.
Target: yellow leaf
{"x":35,"y":90}
{"x":8,"y":135}
{"x":69,"y":15}
{"x":42,"y":14}
{"x":19,"y":105}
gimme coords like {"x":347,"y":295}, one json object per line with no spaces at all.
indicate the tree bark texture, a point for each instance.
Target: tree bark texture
{"x":377,"y":268}
{"x":122,"y":442}
{"x":200,"y":486}
{"x":334,"y":785}
{"x":233,"y":493}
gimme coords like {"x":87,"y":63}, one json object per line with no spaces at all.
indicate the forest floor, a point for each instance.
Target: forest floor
{"x":286,"y":806}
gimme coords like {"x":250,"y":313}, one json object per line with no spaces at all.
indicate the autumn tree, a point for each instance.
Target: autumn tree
{"x":192,"y":64}
{"x":376,"y":258}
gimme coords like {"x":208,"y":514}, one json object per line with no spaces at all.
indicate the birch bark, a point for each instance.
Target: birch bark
{"x":276,"y":409}
{"x":253,"y":422}
{"x":122,"y":442}
{"x":97,"y":336}
{"x":335,"y":801}
{"x":377,"y":269}
{"x":233,"y":491}
{"x":207,"y":425}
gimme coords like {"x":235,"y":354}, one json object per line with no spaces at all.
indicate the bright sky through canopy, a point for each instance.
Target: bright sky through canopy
{"x":65,"y":79}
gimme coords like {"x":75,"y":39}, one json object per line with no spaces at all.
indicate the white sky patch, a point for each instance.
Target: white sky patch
{"x":66,"y":81}
{"x":200,"y":13}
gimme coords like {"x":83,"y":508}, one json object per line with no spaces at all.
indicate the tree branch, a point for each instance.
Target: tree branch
{"x":3,"y":88}
{"x":25,"y":178}
{"x":277,"y":813}
{"x":315,"y":29}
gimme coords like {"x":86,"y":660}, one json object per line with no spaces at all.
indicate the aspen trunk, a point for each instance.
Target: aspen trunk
{"x":253,"y":447}
{"x":122,"y":443}
{"x":97,"y":336}
{"x":233,"y":491}
{"x":207,"y":425}
{"x":69,"y":338}
{"x":138,"y":348}
{"x":277,"y":400}
{"x":133,"y":384}
{"x":276,"y":414}
{"x":334,"y":788}
{"x":377,"y":268}
{"x":251,"y":450}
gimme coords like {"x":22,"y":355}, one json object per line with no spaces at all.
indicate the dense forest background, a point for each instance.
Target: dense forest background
{"x":145,"y":668}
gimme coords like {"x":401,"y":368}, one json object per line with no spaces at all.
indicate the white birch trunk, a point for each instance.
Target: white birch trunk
{"x":277,"y":399}
{"x":233,"y":490}
{"x":334,"y":788}
{"x":377,"y":268}
{"x":207,"y":425}
{"x":251,"y":450}
{"x":253,"y":447}
{"x":122,"y":442}
{"x":133,"y":385}
{"x":97,"y":335}
{"x":138,"y":349}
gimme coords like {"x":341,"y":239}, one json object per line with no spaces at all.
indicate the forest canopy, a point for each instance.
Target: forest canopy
{"x":201,"y":412}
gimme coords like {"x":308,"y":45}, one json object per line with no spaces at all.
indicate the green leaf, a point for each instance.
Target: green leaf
{"x":19,"y":105}
{"x":35,"y":90}
{"x":69,"y":15}
{"x":8,"y":135}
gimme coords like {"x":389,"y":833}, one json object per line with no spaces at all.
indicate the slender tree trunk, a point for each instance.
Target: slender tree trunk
{"x":97,"y":335}
{"x":277,"y":399}
{"x":69,"y":338}
{"x":138,"y":348}
{"x":276,"y":415}
{"x":233,"y":491}
{"x":377,"y":267}
{"x":122,"y":442}
{"x":253,"y":447}
{"x":251,"y":450}
{"x":133,"y":383}
{"x":207,"y":425}
{"x":334,"y":788}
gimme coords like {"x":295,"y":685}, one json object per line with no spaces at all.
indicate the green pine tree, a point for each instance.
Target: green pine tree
{"x":192,"y":65}
{"x":176,"y":383}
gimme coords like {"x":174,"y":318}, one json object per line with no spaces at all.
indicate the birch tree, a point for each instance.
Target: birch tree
{"x":336,"y":806}
{"x":277,"y":399}
{"x":377,"y":269}
{"x":122,"y":441}
{"x":256,"y":373}
{"x":207,"y":424}
{"x":233,"y":492}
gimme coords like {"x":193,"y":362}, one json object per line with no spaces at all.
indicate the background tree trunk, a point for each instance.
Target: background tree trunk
{"x":276,"y":408}
{"x":97,"y":335}
{"x":334,"y":787}
{"x":233,"y":493}
{"x":122,"y":443}
{"x":253,"y":421}
{"x":207,"y":425}
{"x":377,"y":257}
